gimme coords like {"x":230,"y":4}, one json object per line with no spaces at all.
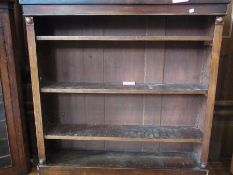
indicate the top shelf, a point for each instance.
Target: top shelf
{"x":118,"y":2}
{"x":124,"y":38}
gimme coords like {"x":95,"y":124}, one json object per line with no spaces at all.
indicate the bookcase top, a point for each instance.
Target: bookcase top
{"x":118,"y":2}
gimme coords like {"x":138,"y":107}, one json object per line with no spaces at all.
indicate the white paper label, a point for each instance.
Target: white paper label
{"x":179,"y":1}
{"x":191,"y":10}
{"x":129,"y":83}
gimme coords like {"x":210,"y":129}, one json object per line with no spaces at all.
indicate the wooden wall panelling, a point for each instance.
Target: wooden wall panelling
{"x":90,"y":69}
{"x":181,"y":70}
{"x":153,"y":72}
{"x":121,"y":67}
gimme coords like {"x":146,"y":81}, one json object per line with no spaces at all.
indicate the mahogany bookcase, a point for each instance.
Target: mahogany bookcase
{"x":123,"y":87}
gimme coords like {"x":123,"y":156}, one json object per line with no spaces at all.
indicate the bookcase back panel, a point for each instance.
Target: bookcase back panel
{"x":156,"y":110}
{"x":123,"y":110}
{"x":121,"y":146}
{"x":117,"y":62}
{"x":140,"y":62}
{"x":156,"y":62}
{"x":124,"y":25}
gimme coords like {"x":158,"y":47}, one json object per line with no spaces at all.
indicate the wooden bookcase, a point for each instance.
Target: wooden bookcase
{"x":87,"y":121}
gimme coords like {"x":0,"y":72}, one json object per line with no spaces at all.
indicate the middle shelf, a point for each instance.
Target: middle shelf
{"x":124,"y":38}
{"x":118,"y":88}
{"x":124,"y":133}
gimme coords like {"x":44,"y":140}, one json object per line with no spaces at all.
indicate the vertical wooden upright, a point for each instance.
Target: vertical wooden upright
{"x":35,"y":88}
{"x":215,"y":56}
{"x":232,"y":165}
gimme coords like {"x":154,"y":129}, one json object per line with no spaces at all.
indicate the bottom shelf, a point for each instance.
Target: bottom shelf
{"x":100,"y":162}
{"x":97,"y":159}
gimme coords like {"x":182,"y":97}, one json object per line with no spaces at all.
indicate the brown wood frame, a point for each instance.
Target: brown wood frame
{"x":11,"y":90}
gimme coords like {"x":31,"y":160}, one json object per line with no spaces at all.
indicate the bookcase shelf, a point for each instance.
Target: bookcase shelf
{"x":100,"y":159}
{"x":124,"y":38}
{"x":124,"y":133}
{"x":117,"y":88}
{"x":88,"y":121}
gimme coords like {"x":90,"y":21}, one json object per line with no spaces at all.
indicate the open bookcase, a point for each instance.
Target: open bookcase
{"x":82,"y":54}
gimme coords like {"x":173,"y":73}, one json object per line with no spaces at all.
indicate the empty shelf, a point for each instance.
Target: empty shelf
{"x":124,"y":38}
{"x":117,"y":88}
{"x":124,"y":133}
{"x":105,"y":163}
{"x":102,"y":159}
